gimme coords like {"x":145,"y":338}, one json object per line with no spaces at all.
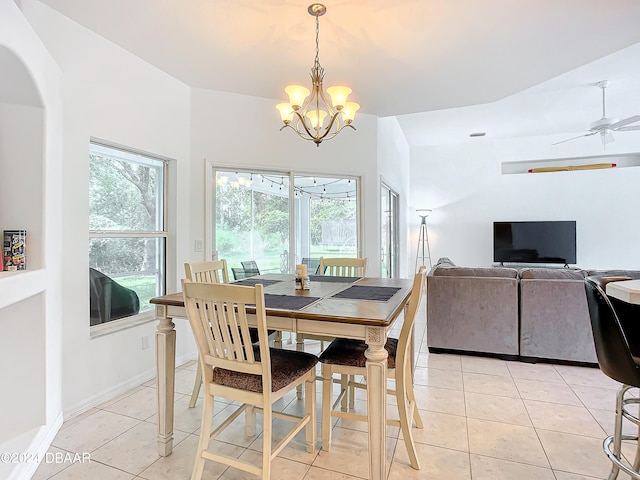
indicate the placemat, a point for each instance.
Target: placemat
{"x":252,"y":282}
{"x":287,"y":302}
{"x":362,"y":292}
{"x":329,"y":278}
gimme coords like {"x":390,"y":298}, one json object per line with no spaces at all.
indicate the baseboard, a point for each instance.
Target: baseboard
{"x":119,"y":389}
{"x":513,"y":358}
{"x":37,"y":448}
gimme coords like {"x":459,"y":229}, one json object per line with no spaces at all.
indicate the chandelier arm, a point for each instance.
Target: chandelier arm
{"x":328,"y":129}
{"x":301,"y":119}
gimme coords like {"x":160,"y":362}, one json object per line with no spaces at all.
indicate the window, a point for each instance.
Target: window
{"x":127,"y":236}
{"x":279,"y":219}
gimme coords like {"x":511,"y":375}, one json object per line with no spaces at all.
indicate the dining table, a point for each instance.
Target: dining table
{"x":363,"y":308}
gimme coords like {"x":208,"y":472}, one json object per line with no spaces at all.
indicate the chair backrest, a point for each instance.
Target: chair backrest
{"x":404,"y":350}
{"x":238,"y":273}
{"x":313,"y":265}
{"x":343,"y":267}
{"x":250,"y":268}
{"x":612,"y":346}
{"x":218,"y":318}
{"x":214,"y":271}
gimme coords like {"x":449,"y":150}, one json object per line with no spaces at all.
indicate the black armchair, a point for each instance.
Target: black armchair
{"x":109,"y":300}
{"x":615,"y":351}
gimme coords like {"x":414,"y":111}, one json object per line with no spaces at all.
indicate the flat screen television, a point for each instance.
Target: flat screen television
{"x":535,"y":242}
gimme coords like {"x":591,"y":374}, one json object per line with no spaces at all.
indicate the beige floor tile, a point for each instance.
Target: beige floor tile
{"x":490,"y":384}
{"x":563,"y":418}
{"x":545,"y":391}
{"x":93,"y":431}
{"x":585,"y":456}
{"x":235,"y":433}
{"x":436,"y":377}
{"x":585,"y":377}
{"x":296,"y":449}
{"x":187,"y":419}
{"x":435,"y":464}
{"x":179,"y":465}
{"x":487,"y":468}
{"x":541,"y":372}
{"x":573,"y":476}
{"x":497,"y":409}
{"x":49,"y":466}
{"x":280,"y":468}
{"x":441,"y":361}
{"x":508,"y":442}
{"x":444,"y":400}
{"x":184,"y":381}
{"x":349,"y":453}
{"x":361,"y":409}
{"x":134,"y":450}
{"x":606,"y":419}
{"x":141,"y":404}
{"x":76,"y":418}
{"x":316,"y":473}
{"x":489,"y":366}
{"x":440,"y":430}
{"x":92,"y":471}
{"x":597,"y":397}
{"x":117,"y":398}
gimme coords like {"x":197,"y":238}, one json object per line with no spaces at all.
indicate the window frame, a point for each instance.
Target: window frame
{"x":210,"y":203}
{"x":161,"y":234}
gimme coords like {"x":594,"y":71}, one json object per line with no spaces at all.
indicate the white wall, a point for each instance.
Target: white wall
{"x":463,"y":184}
{"x":237,"y":130}
{"x":112,"y":95}
{"x":37,"y":301}
{"x":394,"y":166}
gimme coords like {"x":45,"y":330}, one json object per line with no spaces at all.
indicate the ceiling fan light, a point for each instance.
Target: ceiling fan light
{"x":349,"y":112}
{"x":297,"y":95}
{"x":338,"y":95}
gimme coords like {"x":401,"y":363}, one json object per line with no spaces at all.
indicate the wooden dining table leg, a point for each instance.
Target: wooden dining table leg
{"x":166,"y":377}
{"x":376,"y":356}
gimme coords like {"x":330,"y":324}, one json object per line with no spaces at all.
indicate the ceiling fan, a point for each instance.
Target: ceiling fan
{"x":605,"y":125}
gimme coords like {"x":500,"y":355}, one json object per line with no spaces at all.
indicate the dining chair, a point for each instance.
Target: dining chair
{"x":250,"y":268}
{"x":347,"y":357}
{"x":618,"y":359}
{"x":343,"y":267}
{"x":238,"y":370}
{"x":214,"y":271}
{"x":313,"y":265}
{"x":335,"y":267}
{"x":238,"y":273}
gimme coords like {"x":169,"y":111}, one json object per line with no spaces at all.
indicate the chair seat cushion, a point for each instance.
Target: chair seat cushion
{"x":286,"y":367}
{"x":348,"y":352}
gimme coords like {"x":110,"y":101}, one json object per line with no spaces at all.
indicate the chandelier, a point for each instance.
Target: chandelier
{"x":312,"y":115}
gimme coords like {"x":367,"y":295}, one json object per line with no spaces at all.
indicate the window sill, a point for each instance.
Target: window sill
{"x":114,"y":326}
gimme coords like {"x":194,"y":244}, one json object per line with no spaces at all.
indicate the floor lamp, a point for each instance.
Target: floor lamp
{"x":423,"y":252}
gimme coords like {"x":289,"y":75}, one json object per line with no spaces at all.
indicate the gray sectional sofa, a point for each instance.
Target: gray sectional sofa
{"x":529,"y":313}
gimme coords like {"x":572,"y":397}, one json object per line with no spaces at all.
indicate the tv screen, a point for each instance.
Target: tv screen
{"x":534,"y":242}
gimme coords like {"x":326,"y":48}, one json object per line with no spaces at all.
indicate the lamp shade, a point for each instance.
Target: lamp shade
{"x":423,"y":212}
{"x":286,"y":112}
{"x":313,"y":117}
{"x":349,"y":112}
{"x":297,"y":94}
{"x":338,"y":95}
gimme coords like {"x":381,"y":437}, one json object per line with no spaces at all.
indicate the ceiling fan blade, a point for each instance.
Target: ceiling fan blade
{"x":607,"y":137}
{"x":626,"y":129}
{"x":574,"y":138}
{"x":625,"y":121}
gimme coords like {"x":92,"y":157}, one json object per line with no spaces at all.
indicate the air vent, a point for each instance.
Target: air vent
{"x":477,"y":134}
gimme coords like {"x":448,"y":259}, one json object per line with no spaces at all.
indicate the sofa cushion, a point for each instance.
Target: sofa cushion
{"x":498,"y":272}
{"x":552,"y":273}
{"x":634,"y":274}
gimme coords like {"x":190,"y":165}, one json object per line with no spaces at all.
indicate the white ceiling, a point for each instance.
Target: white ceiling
{"x":399,"y":56}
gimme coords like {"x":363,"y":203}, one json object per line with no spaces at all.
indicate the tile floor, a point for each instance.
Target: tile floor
{"x":484,"y":419}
